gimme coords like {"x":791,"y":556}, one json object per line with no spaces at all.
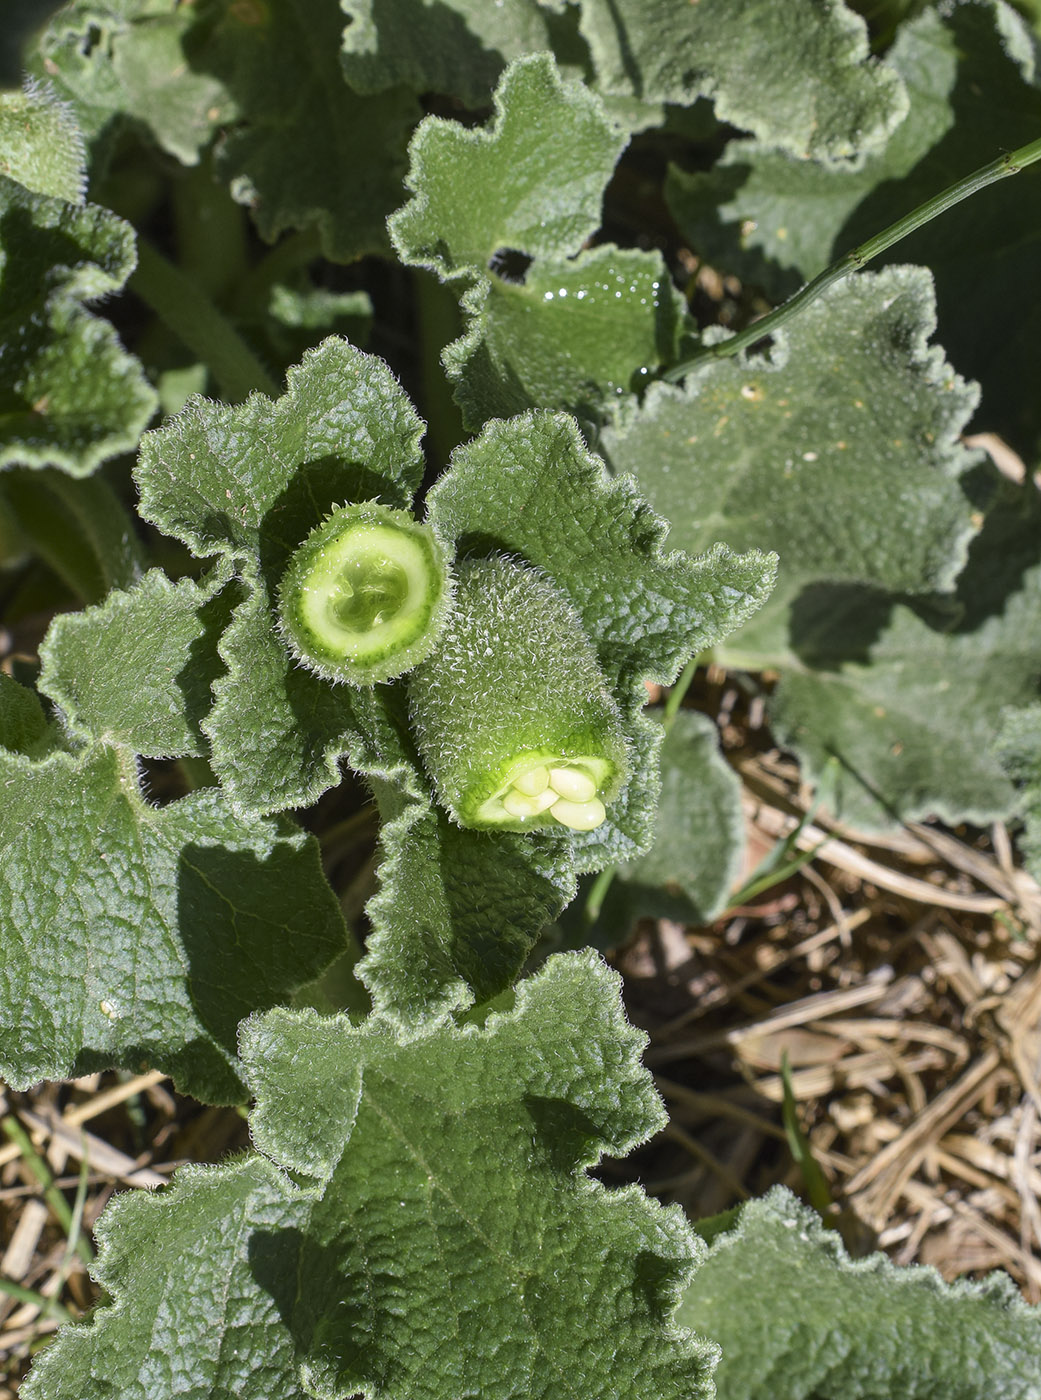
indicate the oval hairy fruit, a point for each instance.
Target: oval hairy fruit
{"x":511,"y":713}
{"x":365,"y":596}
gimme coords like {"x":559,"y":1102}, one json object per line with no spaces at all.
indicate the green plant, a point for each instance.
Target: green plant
{"x":607,"y":488}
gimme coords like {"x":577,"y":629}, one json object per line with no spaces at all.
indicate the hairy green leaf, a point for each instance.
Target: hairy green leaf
{"x":451,"y":1241}
{"x":576,"y":334}
{"x":792,"y":451}
{"x":190,"y":1320}
{"x":908,"y":701}
{"x":24,"y":727}
{"x":136,"y":935}
{"x":576,"y":329}
{"x":797,"y":1318}
{"x":798,"y":74}
{"x":533,"y":182}
{"x":459,"y":47}
{"x":970,"y":70}
{"x":458,"y":911}
{"x":250,"y":483}
{"x":71,"y":396}
{"x":306,"y":151}
{"x":529,"y":488}
{"x":136,"y":670}
{"x":699,"y":835}
{"x":41,"y":145}
{"x":128,"y":59}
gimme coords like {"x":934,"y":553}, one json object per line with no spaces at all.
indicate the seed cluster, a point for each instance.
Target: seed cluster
{"x":566,"y":791}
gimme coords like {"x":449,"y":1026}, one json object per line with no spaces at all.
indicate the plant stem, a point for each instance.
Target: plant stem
{"x":1008,"y":164}
{"x":678,"y":691}
{"x":194,"y":319}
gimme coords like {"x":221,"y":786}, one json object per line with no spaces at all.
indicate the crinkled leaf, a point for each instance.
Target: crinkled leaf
{"x":969,"y":69}
{"x":793,"y":452}
{"x":24,"y":727}
{"x":307,"y":151}
{"x":78,"y":526}
{"x":529,"y":488}
{"x":581,"y":328}
{"x":41,"y":145}
{"x":1019,"y":753}
{"x":278,"y":732}
{"x":798,"y":1318}
{"x":796,"y":74}
{"x":698,"y":836}
{"x":906,"y":709}
{"x":190,"y":1319}
{"x":136,"y":670}
{"x":71,"y":396}
{"x":127,"y":58}
{"x":532,"y":183}
{"x":136,"y":935}
{"x":576,"y":334}
{"x":452,"y":1244}
{"x":250,"y":483}
{"x":458,"y":47}
{"x":458,"y":910}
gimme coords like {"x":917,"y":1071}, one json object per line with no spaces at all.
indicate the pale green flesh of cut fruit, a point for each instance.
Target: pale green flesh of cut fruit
{"x":367,"y":593}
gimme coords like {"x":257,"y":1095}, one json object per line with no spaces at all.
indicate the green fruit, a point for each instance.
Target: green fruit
{"x":513,"y":718}
{"x":365,"y":596}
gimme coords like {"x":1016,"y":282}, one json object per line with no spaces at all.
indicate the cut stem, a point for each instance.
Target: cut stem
{"x":856,"y":258}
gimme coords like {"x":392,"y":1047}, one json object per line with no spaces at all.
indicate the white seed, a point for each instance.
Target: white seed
{"x":520,"y":805}
{"x":573,"y":784}
{"x":531,"y":784}
{"x":579,"y":816}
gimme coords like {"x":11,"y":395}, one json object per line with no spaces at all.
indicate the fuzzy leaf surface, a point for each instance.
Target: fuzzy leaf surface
{"x":41,"y":145}
{"x":249,"y":483}
{"x":451,"y":1243}
{"x":776,"y":222}
{"x":458,"y":911}
{"x":699,"y":834}
{"x":136,"y":935}
{"x":530,"y":488}
{"x":136,"y":670}
{"x":798,"y":75}
{"x":71,"y":395}
{"x":582,"y":327}
{"x":908,"y":702}
{"x":797,"y":1317}
{"x":577,"y":334}
{"x":24,"y":728}
{"x":190,"y":1319}
{"x":788,"y":453}
{"x":459,"y":47}
{"x":126,"y":59}
{"x":533,"y":181}
{"x":307,"y":151}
